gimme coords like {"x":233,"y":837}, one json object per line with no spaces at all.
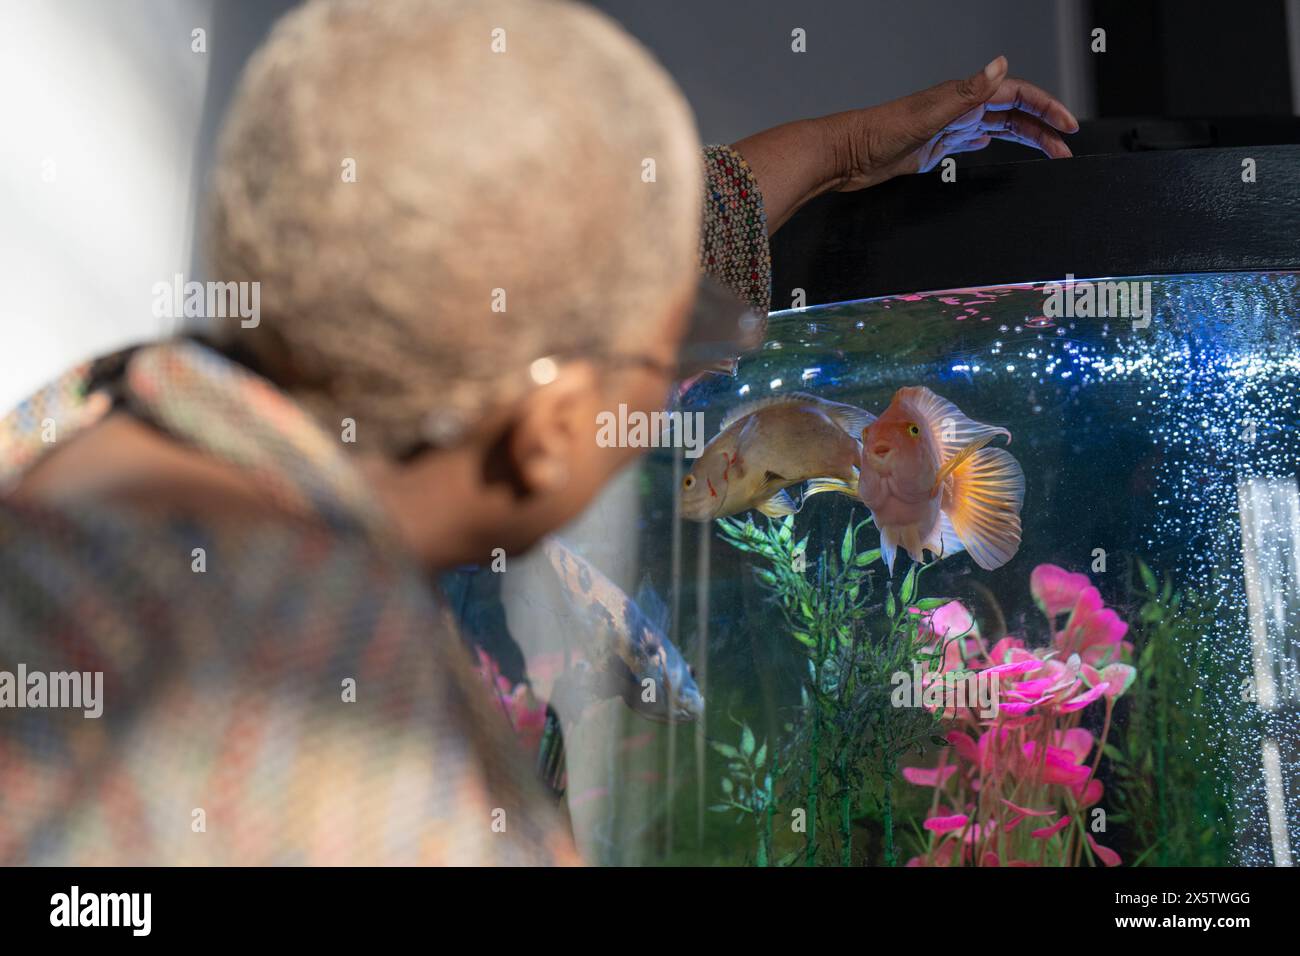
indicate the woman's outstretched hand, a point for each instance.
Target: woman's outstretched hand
{"x":861,"y":148}
{"x":911,"y":135}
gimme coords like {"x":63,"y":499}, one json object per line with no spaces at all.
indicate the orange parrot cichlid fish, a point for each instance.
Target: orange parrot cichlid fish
{"x":765,"y":447}
{"x":932,"y":485}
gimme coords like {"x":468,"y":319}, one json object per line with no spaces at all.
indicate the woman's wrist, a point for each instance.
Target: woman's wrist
{"x":796,"y":162}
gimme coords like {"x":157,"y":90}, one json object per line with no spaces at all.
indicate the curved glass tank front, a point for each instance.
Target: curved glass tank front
{"x":1130,"y":675}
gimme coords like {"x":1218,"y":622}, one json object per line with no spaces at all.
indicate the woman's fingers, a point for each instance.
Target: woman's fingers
{"x":951,"y":142}
{"x":1056,"y":150}
{"x":1015,"y":94}
{"x":969,"y":145}
{"x":967,"y":121}
{"x":929,"y":112}
{"x":1022,"y":128}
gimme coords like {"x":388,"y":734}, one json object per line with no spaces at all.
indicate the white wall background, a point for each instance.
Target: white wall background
{"x":102,"y":104}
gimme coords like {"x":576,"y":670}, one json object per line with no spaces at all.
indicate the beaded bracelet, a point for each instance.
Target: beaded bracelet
{"x":733,"y":239}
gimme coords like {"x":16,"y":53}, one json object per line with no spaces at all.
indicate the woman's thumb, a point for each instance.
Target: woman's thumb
{"x":944,"y":104}
{"x":976,"y":89}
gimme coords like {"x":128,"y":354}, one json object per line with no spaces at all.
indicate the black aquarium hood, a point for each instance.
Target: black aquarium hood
{"x":1160,"y":212}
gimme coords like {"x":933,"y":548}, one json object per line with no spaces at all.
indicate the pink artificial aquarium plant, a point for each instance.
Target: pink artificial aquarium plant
{"x":1015,"y":788}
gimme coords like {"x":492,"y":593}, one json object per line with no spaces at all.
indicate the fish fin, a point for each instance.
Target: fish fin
{"x":949,"y":540}
{"x":888,"y":549}
{"x":749,"y":408}
{"x":771,"y":485}
{"x":943,"y":542}
{"x":983,"y":503}
{"x":952,"y":428}
{"x":959,"y":459}
{"x":911,"y":542}
{"x":778,"y":506}
{"x":652,"y":605}
{"x":818,"y":485}
{"x":852,"y":419}
{"x":558,"y":552}
{"x":848,"y":417}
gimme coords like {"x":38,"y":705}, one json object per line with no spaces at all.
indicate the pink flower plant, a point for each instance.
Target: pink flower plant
{"x":1014,"y":789}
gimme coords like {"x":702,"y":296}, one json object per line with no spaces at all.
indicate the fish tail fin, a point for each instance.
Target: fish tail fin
{"x":778,"y":506}
{"x":983,"y":505}
{"x":818,"y":485}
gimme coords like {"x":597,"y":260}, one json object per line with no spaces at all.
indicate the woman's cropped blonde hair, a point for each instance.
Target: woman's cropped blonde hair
{"x":433,"y":193}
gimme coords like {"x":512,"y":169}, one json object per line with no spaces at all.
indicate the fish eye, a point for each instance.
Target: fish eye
{"x":913,"y":430}
{"x":688,"y":482}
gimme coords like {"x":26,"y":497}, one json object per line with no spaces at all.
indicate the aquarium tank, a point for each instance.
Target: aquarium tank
{"x":1118,"y":686}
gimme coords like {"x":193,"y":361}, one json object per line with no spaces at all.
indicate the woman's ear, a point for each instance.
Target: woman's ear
{"x":556,"y":422}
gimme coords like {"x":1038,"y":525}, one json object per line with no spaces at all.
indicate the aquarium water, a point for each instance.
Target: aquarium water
{"x":1159,"y":443}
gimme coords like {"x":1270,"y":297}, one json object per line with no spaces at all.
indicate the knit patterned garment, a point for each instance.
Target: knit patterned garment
{"x":272,"y":693}
{"x":290,"y":693}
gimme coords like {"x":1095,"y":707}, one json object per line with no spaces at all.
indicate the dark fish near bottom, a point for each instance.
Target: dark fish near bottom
{"x":627,"y":653}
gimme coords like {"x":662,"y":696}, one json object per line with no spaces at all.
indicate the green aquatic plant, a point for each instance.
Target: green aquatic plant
{"x":841,"y":756}
{"x":1174,"y":792}
{"x":748,"y":786}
